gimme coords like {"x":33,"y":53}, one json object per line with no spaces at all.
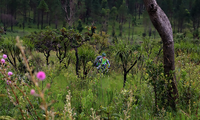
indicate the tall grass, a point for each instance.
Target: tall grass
{"x":103,"y":96}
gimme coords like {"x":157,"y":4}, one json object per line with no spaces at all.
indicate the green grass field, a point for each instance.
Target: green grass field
{"x":103,"y":94}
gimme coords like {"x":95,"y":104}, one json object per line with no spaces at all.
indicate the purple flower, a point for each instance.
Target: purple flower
{"x":10,"y":73}
{"x":2,"y":61}
{"x":41,"y":75}
{"x":8,"y":81}
{"x":32,"y":92}
{"x":4,"y":56}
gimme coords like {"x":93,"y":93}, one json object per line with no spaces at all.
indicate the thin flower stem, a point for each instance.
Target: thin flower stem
{"x":4,"y":73}
{"x":17,"y":101}
{"x":27,"y":100}
{"x":32,"y":77}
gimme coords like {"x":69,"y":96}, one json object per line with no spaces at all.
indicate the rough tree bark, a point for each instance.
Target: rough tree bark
{"x":163,"y":26}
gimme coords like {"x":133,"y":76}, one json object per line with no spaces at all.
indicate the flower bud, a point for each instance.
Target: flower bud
{"x":32,"y":92}
{"x":48,"y":85}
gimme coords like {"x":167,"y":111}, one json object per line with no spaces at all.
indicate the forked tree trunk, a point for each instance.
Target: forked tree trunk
{"x":163,"y":26}
{"x":47,"y":55}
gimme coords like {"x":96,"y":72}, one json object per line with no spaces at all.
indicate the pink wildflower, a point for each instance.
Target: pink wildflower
{"x":41,"y":75}
{"x":4,"y":56}
{"x":10,"y":73}
{"x":8,"y":81}
{"x":32,"y":92}
{"x":2,"y":61}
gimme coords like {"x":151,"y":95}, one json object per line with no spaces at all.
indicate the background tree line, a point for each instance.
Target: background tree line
{"x":26,"y":13}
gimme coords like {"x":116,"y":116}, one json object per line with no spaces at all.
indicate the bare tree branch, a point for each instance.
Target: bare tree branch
{"x":133,"y":64}
{"x":69,"y":13}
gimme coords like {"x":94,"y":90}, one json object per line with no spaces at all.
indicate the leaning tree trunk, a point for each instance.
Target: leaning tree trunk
{"x":163,"y":26}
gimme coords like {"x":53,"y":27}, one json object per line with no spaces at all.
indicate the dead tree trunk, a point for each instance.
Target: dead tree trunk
{"x":70,"y":10}
{"x":163,"y":26}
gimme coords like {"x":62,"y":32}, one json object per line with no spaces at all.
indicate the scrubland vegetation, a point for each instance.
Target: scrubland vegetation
{"x":92,"y":95}
{"x":48,"y":73}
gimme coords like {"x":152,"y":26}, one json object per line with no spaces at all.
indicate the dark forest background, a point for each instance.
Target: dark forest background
{"x":183,"y":14}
